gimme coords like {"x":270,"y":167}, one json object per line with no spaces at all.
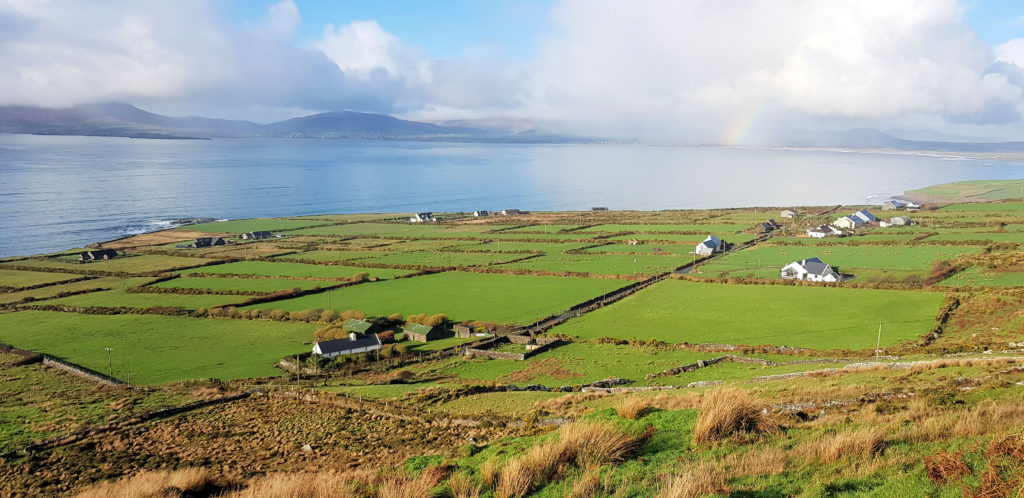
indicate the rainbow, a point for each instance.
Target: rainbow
{"x":737,"y":132}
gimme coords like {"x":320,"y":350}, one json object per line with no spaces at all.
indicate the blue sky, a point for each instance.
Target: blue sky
{"x":443,"y":28}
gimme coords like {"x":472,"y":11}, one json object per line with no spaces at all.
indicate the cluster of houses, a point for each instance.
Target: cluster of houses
{"x":769,"y":226}
{"x":896,"y":204}
{"x":856,"y":220}
{"x":429,"y":217}
{"x":422,"y":218}
{"x":200,"y":242}
{"x":365,"y":336}
{"x":97,"y":255}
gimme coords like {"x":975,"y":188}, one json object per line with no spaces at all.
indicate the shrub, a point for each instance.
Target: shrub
{"x":353,"y":314}
{"x":462,"y":485}
{"x":329,"y":316}
{"x":725,"y":412}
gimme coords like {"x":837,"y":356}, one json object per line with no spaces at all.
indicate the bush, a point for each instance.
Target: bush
{"x":724,"y":412}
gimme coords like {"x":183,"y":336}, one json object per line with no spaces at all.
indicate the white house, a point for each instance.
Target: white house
{"x":897,"y":221}
{"x":892,"y":205}
{"x":787,"y":213}
{"x":823,"y":231}
{"x":710,"y":246}
{"x":479,"y":214}
{"x":422,"y":217}
{"x":865,"y":216}
{"x":848,"y":222}
{"x":354,"y":344}
{"x":813,"y":269}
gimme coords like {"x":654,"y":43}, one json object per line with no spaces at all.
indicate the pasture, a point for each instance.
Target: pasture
{"x":16,"y":279}
{"x":677,"y":311}
{"x":240,"y":284}
{"x":495,"y":298}
{"x":601,"y":264}
{"x":237,"y":227}
{"x":130,"y":264}
{"x":158,"y":349}
{"x":288,"y":269}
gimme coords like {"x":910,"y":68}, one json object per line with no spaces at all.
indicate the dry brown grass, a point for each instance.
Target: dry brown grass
{"x":865,"y":441}
{"x":755,"y":462}
{"x":463,"y":486}
{"x":490,"y":470}
{"x":420,"y":487}
{"x":685,"y":401}
{"x":692,"y":483}
{"x":979,"y":419}
{"x":724,"y":412}
{"x":587,"y":485}
{"x":158,"y":484}
{"x":633,"y":408}
{"x":568,"y":403}
{"x":961,"y":362}
{"x":311,"y":485}
{"x":944,"y":467}
{"x":585,"y":444}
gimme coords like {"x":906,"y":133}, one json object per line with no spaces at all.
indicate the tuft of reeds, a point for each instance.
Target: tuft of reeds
{"x":692,"y":483}
{"x":462,"y":485}
{"x":490,"y":471}
{"x":158,"y":484}
{"x":865,"y":441}
{"x":421,"y":486}
{"x":724,"y":412}
{"x":633,"y":408}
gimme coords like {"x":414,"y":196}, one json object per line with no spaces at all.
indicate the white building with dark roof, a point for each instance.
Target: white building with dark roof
{"x":811,"y":269}
{"x":709,"y":246}
{"x":353,"y":344}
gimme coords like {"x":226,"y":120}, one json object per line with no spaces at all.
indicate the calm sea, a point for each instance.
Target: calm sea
{"x":58,"y":193}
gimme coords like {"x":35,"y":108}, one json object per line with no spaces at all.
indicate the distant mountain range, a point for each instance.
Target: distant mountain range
{"x":117,"y":119}
{"x":867,"y":138}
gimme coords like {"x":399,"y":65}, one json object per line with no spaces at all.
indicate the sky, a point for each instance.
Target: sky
{"x":683,"y":71}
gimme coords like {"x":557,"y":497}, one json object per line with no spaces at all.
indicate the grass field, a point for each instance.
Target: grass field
{"x":331,"y":255}
{"x":240,"y":284}
{"x":286,"y":269}
{"x":462,"y":296}
{"x":709,"y":228}
{"x":981,"y":277}
{"x":121,"y":297}
{"x":53,"y":290}
{"x":601,"y":264}
{"x":16,"y":279}
{"x":860,"y":260}
{"x":238,"y":227}
{"x":440,"y":258}
{"x":398,"y":230}
{"x":158,"y":349}
{"x":146,"y":263}
{"x":976,"y":189}
{"x":820,"y":318}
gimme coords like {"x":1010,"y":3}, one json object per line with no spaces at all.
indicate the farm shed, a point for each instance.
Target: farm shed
{"x":709,"y":246}
{"x":787,"y":213}
{"x":464,"y":331}
{"x":812,"y":269}
{"x":352,"y":345}
{"x":97,"y":254}
{"x":865,"y":216}
{"x":421,"y":333}
{"x":257,"y":235}
{"x":361,"y":327}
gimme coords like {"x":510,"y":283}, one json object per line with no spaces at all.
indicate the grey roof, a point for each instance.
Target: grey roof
{"x":99,"y":254}
{"x":347,"y":344}
{"x":816,"y":266}
{"x":417,"y":328}
{"x":864,"y":214}
{"x":359,"y":326}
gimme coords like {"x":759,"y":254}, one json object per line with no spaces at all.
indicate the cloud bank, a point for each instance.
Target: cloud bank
{"x":688,"y":71}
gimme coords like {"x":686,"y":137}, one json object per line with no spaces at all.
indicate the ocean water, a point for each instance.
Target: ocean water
{"x":59,"y":192}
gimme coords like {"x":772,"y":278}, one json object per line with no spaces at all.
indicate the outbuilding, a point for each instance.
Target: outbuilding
{"x":97,"y":254}
{"x":421,"y":333}
{"x":787,"y":213}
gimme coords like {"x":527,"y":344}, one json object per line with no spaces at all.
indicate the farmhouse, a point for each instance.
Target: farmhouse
{"x":422,"y":218}
{"x":823,"y":231}
{"x":848,"y":222}
{"x":892,"y":205}
{"x":709,"y":246}
{"x":787,"y":213}
{"x":256,"y":235}
{"x":361,"y":327}
{"x":352,"y":345}
{"x":865,"y":216}
{"x":513,"y":212}
{"x":209,"y":242}
{"x":480,"y":214}
{"x":97,"y":254}
{"x":813,"y":269}
{"x":421,"y":333}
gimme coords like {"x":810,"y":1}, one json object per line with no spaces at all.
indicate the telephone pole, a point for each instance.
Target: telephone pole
{"x":110,"y":364}
{"x":878,"y":343}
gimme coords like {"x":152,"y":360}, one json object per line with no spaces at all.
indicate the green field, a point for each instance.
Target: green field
{"x":709,"y":228}
{"x":240,"y":284}
{"x":462,"y":296}
{"x":398,"y":230}
{"x":601,"y":264}
{"x":238,"y":227}
{"x":146,"y":263}
{"x":860,"y":260}
{"x":331,"y":255}
{"x":976,"y":189}
{"x":982,"y":277}
{"x":16,"y":279}
{"x":83,"y":285}
{"x":439,"y":258}
{"x":158,"y":349}
{"x":814,"y":317}
{"x":121,"y":297}
{"x":286,"y":269}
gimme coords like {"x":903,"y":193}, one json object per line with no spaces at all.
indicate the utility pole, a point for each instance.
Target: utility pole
{"x":634,"y":266}
{"x":110,"y":365}
{"x":878,"y":344}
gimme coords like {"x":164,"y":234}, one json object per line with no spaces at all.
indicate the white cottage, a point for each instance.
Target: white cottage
{"x":710,"y":246}
{"x":848,"y":222}
{"x":812,"y":269}
{"x":354,"y":344}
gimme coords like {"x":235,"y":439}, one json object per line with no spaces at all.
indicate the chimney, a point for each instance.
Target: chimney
{"x":352,"y":336}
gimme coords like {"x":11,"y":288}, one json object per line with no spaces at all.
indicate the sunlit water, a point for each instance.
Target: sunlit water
{"x":62,"y":192}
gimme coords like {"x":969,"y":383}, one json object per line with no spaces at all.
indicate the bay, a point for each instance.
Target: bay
{"x":59,"y":192}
